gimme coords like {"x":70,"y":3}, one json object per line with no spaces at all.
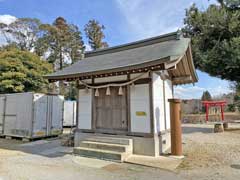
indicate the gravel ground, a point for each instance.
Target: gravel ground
{"x":47,"y":160}
{"x":208,"y":155}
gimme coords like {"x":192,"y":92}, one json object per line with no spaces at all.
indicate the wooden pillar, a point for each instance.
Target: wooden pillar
{"x":206,"y":112}
{"x":222,"y":112}
{"x":176,"y":129}
{"x":77,"y":104}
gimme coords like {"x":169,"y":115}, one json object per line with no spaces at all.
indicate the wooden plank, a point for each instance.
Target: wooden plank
{"x":116,"y":132}
{"x":180,"y":66}
{"x":93,"y":111}
{"x":186,"y":65}
{"x":154,"y":65}
{"x":139,"y":81}
{"x":182,"y":78}
{"x":189,"y":59}
{"x":111,"y":110}
{"x":128,"y":104}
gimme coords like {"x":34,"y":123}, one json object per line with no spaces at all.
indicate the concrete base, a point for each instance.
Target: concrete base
{"x":105,"y":147}
{"x":148,"y":146}
{"x":177,"y":157}
{"x":164,"y":142}
{"x":8,"y":137}
{"x":101,"y":154}
{"x":161,"y":162}
{"x":25,"y":140}
{"x":144,"y":146}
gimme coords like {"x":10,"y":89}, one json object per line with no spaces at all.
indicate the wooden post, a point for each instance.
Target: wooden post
{"x":218,"y":127}
{"x":225,"y":125}
{"x":222,"y":112}
{"x":176,"y":129}
{"x":206,"y":112}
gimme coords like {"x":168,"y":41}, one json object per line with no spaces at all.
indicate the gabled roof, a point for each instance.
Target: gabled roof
{"x":140,"y":54}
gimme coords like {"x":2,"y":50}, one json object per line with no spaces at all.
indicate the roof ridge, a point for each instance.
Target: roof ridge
{"x":161,"y":38}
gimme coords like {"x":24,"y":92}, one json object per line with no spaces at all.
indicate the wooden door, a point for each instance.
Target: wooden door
{"x":111,"y":110}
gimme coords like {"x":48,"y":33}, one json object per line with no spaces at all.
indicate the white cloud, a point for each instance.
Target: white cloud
{"x":193,"y":92}
{"x":146,"y":18}
{"x":7,"y":19}
{"x":189,"y":92}
{"x":219,"y":90}
{"x":88,"y":47}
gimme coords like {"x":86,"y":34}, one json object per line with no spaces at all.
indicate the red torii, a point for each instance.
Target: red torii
{"x":207,"y":104}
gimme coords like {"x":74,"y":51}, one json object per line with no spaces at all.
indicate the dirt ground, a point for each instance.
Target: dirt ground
{"x":208,"y":155}
{"x":47,"y":160}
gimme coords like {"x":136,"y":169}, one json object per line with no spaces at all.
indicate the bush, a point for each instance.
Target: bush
{"x":231,"y":107}
{"x":22,"y":71}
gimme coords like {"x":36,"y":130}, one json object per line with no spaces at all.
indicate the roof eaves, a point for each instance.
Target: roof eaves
{"x":144,"y":42}
{"x":123,"y":68}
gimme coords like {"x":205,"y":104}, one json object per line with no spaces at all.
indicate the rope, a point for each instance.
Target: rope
{"x":114,"y":84}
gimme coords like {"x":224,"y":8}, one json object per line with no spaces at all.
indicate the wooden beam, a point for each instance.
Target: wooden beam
{"x":172,"y":64}
{"x":153,"y":67}
{"x":182,"y":78}
{"x":93,"y":107}
{"x":163,"y":74}
{"x":128,"y":104}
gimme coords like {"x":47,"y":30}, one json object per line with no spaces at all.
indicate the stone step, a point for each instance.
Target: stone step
{"x":106,"y":146}
{"x":101,"y":154}
{"x":109,"y":139}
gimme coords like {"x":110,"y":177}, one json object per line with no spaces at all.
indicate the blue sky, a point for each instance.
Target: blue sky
{"x":125,"y":21}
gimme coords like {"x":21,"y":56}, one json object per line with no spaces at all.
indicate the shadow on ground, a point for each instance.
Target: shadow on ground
{"x":189,"y":130}
{"x":47,"y":147}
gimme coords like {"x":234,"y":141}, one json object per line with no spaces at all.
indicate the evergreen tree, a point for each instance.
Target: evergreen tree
{"x":76,"y":45}
{"x":94,"y":32}
{"x":55,"y":39}
{"x":206,"y":96}
{"x":215,"y":35}
{"x":22,"y":71}
{"x":63,"y":42}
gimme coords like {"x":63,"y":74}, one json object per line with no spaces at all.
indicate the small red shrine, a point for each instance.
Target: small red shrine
{"x":220,"y":104}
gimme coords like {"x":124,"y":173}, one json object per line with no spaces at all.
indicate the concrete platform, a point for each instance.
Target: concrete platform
{"x":162,"y":162}
{"x":105,"y":147}
{"x":101,"y":154}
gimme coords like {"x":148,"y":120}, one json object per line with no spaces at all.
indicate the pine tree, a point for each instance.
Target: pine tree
{"x":63,"y":42}
{"x":216,"y":39}
{"x":206,"y":96}
{"x":76,"y":45}
{"x":94,"y":32}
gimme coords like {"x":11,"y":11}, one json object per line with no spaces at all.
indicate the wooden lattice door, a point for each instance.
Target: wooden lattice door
{"x":111,"y":110}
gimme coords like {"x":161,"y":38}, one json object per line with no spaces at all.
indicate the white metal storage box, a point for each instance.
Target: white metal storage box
{"x":31,"y":115}
{"x":70,"y":108}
